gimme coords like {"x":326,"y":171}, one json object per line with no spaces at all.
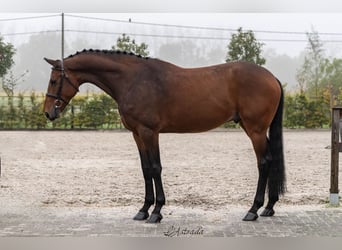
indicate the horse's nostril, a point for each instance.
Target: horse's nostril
{"x":51,"y":118}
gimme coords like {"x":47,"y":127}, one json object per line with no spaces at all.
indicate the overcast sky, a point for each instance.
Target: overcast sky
{"x":171,"y":6}
{"x":298,"y":16}
{"x":291,"y":40}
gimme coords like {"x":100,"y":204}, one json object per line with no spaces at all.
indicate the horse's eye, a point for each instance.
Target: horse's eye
{"x":53,"y":82}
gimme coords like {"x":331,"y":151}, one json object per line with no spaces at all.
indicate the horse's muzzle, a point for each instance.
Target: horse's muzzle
{"x":51,"y":118}
{"x":53,"y":115}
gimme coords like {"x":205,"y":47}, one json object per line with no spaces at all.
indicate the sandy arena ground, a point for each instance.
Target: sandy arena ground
{"x":102,"y":169}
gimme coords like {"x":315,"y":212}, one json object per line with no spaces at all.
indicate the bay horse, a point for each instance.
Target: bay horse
{"x":154,"y":96}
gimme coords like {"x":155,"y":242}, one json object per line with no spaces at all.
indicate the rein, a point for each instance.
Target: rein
{"x":58,"y":96}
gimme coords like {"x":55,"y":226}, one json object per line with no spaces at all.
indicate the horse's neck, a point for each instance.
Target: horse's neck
{"x":104,"y":73}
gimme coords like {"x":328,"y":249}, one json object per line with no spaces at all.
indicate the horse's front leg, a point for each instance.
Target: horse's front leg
{"x":152,"y":170}
{"x":149,"y":192}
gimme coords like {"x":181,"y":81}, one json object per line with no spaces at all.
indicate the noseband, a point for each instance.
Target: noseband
{"x":58,"y":97}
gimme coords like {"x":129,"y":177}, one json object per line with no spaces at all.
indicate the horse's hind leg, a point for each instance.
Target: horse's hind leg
{"x":263,"y":155}
{"x":273,"y":197}
{"x":268,"y":211}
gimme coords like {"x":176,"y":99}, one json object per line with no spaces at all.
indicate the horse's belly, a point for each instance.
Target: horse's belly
{"x":195,"y":122}
{"x":198,"y":112}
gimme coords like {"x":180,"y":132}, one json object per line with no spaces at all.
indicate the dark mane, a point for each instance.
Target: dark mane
{"x":112,"y":52}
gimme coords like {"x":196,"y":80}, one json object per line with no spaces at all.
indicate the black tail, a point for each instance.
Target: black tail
{"x":276,"y":178}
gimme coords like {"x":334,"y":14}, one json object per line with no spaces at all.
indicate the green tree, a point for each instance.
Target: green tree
{"x":317,"y":114}
{"x":37,"y":119}
{"x":331,"y":81}
{"x":339,"y":97}
{"x":295,"y":114}
{"x":126,"y":44}
{"x":6,"y":57}
{"x":10,"y":114}
{"x":301,"y":112}
{"x":310,"y":73}
{"x":109,"y":108}
{"x":80,"y":117}
{"x":6,"y":61}
{"x":95,"y":113}
{"x":289,"y":109}
{"x":245,"y":47}
{"x":320,"y":78}
{"x":10,"y":82}
{"x":23,"y":112}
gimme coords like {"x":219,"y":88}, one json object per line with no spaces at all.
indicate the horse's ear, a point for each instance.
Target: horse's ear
{"x":54,"y":63}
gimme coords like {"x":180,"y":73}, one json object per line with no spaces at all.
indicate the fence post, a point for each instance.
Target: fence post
{"x":72,"y":116}
{"x":341,"y":126}
{"x":336,"y":147}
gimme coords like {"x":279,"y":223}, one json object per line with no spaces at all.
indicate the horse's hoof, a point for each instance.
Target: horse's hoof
{"x":250,"y":217}
{"x":141,"y":216}
{"x":267,"y":212}
{"x":154,"y":218}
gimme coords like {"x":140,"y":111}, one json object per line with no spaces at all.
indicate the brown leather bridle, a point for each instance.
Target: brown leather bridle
{"x":58,"y":97}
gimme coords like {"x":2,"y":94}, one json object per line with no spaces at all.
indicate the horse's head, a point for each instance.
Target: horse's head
{"x":62,"y":87}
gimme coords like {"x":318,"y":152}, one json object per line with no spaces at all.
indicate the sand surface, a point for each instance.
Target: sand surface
{"x":102,"y":169}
